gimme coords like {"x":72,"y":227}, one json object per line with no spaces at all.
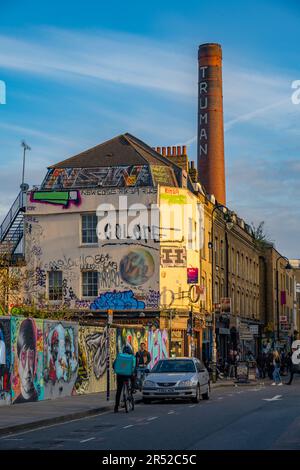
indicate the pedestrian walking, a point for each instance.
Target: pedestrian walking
{"x":276,"y":372}
{"x":231,"y":363}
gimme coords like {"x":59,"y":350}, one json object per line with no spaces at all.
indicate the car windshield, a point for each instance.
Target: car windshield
{"x":174,"y":366}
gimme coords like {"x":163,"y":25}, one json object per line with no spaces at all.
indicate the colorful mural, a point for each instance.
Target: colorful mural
{"x":115,"y":300}
{"x":123,"y":176}
{"x":60,"y":358}
{"x":92,"y":369}
{"x":137,"y":267}
{"x":132,"y":337}
{"x":5,"y":361}
{"x":158,"y":345}
{"x":57,"y":198}
{"x":27,"y":360}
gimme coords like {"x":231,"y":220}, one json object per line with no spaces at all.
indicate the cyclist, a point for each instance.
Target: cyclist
{"x":123,"y":378}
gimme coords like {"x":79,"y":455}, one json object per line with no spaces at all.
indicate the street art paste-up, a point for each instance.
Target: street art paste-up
{"x":56,"y":198}
{"x":27,"y":360}
{"x":137,"y":267}
{"x":5,"y":361}
{"x":173,"y":257}
{"x":92,"y":368}
{"x":132,"y":337}
{"x":115,"y":300}
{"x":158,"y":345}
{"x":60,"y":358}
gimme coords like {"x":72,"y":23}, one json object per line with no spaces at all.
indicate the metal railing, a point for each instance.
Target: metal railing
{"x":17,"y":206}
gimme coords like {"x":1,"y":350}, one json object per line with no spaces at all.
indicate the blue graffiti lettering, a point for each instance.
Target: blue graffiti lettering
{"x":117,"y":301}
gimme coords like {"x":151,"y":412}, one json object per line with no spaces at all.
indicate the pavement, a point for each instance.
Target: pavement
{"x":257,"y":417}
{"x":22,"y":417}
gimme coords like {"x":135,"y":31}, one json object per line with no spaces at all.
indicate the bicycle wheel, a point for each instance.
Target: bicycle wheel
{"x":125,"y":396}
{"x":130,"y":400}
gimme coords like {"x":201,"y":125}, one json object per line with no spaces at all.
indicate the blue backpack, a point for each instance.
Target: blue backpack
{"x":124,"y":364}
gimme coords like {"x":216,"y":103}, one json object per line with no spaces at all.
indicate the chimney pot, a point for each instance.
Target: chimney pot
{"x":158,"y":150}
{"x":184,"y":150}
{"x":179,"y":150}
{"x":173,"y":150}
{"x":169,"y":151}
{"x":163,"y":150}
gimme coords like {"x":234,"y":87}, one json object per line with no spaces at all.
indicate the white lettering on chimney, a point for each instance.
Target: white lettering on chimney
{"x":203,"y":117}
{"x":203,"y":149}
{"x":203,"y":87}
{"x":205,"y":105}
{"x":203,"y":70}
{"x":203,"y":134}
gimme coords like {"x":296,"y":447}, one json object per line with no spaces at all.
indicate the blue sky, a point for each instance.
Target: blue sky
{"x":82,"y":72}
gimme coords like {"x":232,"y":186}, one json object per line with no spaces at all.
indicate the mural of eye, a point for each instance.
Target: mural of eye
{"x":137,"y":267}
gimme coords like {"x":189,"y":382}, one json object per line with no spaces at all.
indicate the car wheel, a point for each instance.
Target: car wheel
{"x":206,"y":395}
{"x":196,"y":398}
{"x":146,"y":401}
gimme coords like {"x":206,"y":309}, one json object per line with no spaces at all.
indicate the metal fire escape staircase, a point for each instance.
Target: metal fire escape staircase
{"x":12,"y":227}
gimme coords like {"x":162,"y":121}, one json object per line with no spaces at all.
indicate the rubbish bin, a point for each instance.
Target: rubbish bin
{"x":242,"y":372}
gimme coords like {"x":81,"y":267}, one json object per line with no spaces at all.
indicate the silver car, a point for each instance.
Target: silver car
{"x":177,"y":378}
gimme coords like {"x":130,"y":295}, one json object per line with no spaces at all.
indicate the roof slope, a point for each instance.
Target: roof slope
{"x":124,"y":149}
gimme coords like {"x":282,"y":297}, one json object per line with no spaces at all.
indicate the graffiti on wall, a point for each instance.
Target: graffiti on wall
{"x":27,"y":360}
{"x":57,"y":198}
{"x":163,"y":175}
{"x":92,"y":368}
{"x":158,"y":345}
{"x":60,"y":358}
{"x":172,"y":257}
{"x":123,"y":176}
{"x":123,"y":300}
{"x":5,"y":361}
{"x":137,"y":267}
{"x":132,"y":337}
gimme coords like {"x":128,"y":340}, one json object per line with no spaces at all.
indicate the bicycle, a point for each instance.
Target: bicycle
{"x":140,"y":377}
{"x":127,"y":396}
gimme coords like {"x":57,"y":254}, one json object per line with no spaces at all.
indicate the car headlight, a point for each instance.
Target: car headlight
{"x":186,"y":383}
{"x":149,"y":383}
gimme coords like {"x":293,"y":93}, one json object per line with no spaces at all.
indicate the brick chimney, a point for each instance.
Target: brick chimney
{"x":210,"y":148}
{"x":193,"y":172}
{"x":177,"y":154}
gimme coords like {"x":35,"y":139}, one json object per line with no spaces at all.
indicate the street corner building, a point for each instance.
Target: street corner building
{"x":140,"y":231}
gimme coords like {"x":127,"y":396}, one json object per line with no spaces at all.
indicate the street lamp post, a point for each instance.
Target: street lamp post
{"x":25,"y":147}
{"x":287,"y":267}
{"x":211,"y":246}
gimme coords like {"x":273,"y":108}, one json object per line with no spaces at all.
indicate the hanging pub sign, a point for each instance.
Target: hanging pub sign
{"x":192,"y":275}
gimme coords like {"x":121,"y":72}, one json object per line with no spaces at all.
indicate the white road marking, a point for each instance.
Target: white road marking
{"x":171,"y":412}
{"x":14,"y":439}
{"x":129,"y":426}
{"x":151,"y":419}
{"x":276,"y":398}
{"x":220,"y":398}
{"x":192,"y":406}
{"x":56,"y":424}
{"x":87,"y":440}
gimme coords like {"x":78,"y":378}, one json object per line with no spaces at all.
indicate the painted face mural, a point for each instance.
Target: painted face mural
{"x":137,"y":267}
{"x":27,"y":348}
{"x":5,"y":360}
{"x":60,"y":358}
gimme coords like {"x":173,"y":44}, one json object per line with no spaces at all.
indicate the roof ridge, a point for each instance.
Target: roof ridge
{"x":89,"y":149}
